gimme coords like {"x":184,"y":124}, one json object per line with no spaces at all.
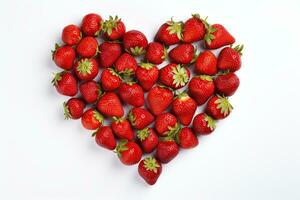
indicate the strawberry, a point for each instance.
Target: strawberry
{"x":122,"y":128}
{"x":206,"y":63}
{"x":91,"y":24}
{"x":170,"y":33}
{"x":90,"y":91}
{"x":113,"y":29}
{"x":87,"y":47}
{"x":110,"y":79}
{"x":217,"y":36}
{"x":65,"y":83}
{"x":140,"y":118}
{"x":203,"y":124}
{"x":71,"y":35}
{"x":135,"y":42}
{"x":150,"y":170}
{"x":218,"y":107}
{"x":194,"y":29}
{"x":64,"y":56}
{"x":129,"y":152}
{"x":132,"y":94}
{"x":166,"y":124}
{"x":126,"y":64}
{"x":73,"y":108}
{"x":159,"y":99}
{"x":109,"y":52}
{"x":148,"y":139}
{"x":227,"y":84}
{"x":104,"y":137}
{"x":201,"y":88}
{"x":147,"y":75}
{"x":182,"y":54}
{"x":184,"y":108}
{"x":230,"y":58}
{"x":110,"y":105}
{"x":156,"y":53}
{"x":186,"y":138}
{"x":92,"y":119}
{"x":174,"y":76}
{"x":86,"y":69}
{"x":166,"y":151}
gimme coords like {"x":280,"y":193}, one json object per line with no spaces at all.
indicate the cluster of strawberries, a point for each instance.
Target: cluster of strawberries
{"x":124,"y":81}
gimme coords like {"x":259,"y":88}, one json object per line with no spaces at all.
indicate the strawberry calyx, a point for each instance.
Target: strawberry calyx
{"x":56,"y":46}
{"x":146,"y":66}
{"x":100,"y":92}
{"x":131,"y":118}
{"x":129,"y":82}
{"x":209,"y":34}
{"x":121,"y":147}
{"x":195,"y":55}
{"x":224,"y":105}
{"x":67,"y":113}
{"x":85,"y":66}
{"x":56,"y":78}
{"x":239,"y":49}
{"x":166,"y":55}
{"x":136,"y":51}
{"x":211,"y":123}
{"x":151,"y":164}
{"x":98,"y":117}
{"x":118,"y":119}
{"x":110,"y":24}
{"x":126,"y":73}
{"x":175,"y":28}
{"x":165,"y":87}
{"x":204,"y":21}
{"x":173,"y":131}
{"x":205,"y":77}
{"x":113,"y":72}
{"x":182,"y":96}
{"x":143,"y":134}
{"x":180,"y":77}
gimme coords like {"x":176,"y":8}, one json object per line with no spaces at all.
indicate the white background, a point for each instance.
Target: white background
{"x":253,"y":154}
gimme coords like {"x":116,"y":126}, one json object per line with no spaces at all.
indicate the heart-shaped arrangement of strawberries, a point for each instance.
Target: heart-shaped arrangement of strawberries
{"x":162,"y":99}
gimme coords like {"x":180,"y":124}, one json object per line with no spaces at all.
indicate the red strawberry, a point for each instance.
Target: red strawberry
{"x":230,"y":58}
{"x":86,"y":69}
{"x":218,"y":107}
{"x":91,"y":24}
{"x":174,"y":76}
{"x":227,"y":83}
{"x":71,"y":35}
{"x":114,"y":28}
{"x":90,"y":91}
{"x":122,"y":128}
{"x":206,"y":63}
{"x":150,"y":169}
{"x":92,"y":119}
{"x":140,"y":118}
{"x":148,"y":139}
{"x":147,"y":75}
{"x":169,"y":33}
{"x":110,"y":105}
{"x":156,"y":53}
{"x":104,"y":137}
{"x":126,"y":64}
{"x":64,"y":56}
{"x":182,"y":54}
{"x":87,"y":47}
{"x":186,"y":138}
{"x":201,"y":88}
{"x":166,"y":151}
{"x":194,"y":29}
{"x":110,"y":79}
{"x":73,"y":108}
{"x":65,"y":83}
{"x":129,"y":152}
{"x":203,"y":124}
{"x":135,"y":42}
{"x":109,"y":52}
{"x":132,"y":94}
{"x":166,"y":124}
{"x":159,"y":99}
{"x":184,"y":108}
{"x":217,"y":36}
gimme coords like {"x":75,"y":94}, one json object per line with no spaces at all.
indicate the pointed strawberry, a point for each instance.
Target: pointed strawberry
{"x":217,"y":36}
{"x":206,"y":63}
{"x":64,"y":56}
{"x":156,"y":53}
{"x":166,"y":124}
{"x":170,"y":33}
{"x":71,"y":35}
{"x":91,"y":24}
{"x":92,"y":119}
{"x":140,"y":118}
{"x":148,"y":139}
{"x":87,"y":47}
{"x":194,"y":29}
{"x":110,"y":105}
{"x":122,"y":128}
{"x":186,"y":138}
{"x":110,"y":79}
{"x":129,"y":152}
{"x":166,"y":151}
{"x":109,"y":52}
{"x":104,"y":137}
{"x":73,"y":108}
{"x":174,"y":76}
{"x":227,"y":83}
{"x":135,"y":42}
{"x":218,"y":107}
{"x":126,"y":65}
{"x":65,"y":83}
{"x":86,"y":69}
{"x":230,"y":58}
{"x":201,"y":88}
{"x":150,"y":169}
{"x":113,"y":28}
{"x":147,"y":75}
{"x":132,"y":94}
{"x":203,"y":124}
{"x":90,"y":91}
{"x":182,"y":54}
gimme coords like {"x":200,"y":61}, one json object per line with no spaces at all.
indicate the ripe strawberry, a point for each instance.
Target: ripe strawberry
{"x":73,"y":108}
{"x":203,"y":124}
{"x":166,"y":124}
{"x":86,"y":69}
{"x":129,"y":152}
{"x":201,"y":88}
{"x":159,"y":99}
{"x":140,"y":118}
{"x":148,"y":139}
{"x":186,"y":138}
{"x":64,"y":56}
{"x":71,"y":35}
{"x":104,"y":137}
{"x":135,"y":42}
{"x":109,"y":52}
{"x":206,"y":63}
{"x":166,"y":151}
{"x":132,"y":94}
{"x":218,"y":107}
{"x":90,"y":91}
{"x":113,"y":29}
{"x":110,"y":79}
{"x":170,"y":33}
{"x":194,"y":29}
{"x":230,"y":58}
{"x":217,"y":36}
{"x":227,"y":84}
{"x":87,"y":47}
{"x":91,"y":24}
{"x":65,"y":83}
{"x":150,"y":170}
{"x":92,"y":119}
{"x":184,"y":108}
{"x":122,"y":128}
{"x":126,"y":64}
{"x":110,"y":105}
{"x":182,"y":54}
{"x":147,"y":75}
{"x":156,"y":53}
{"x":174,"y":76}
